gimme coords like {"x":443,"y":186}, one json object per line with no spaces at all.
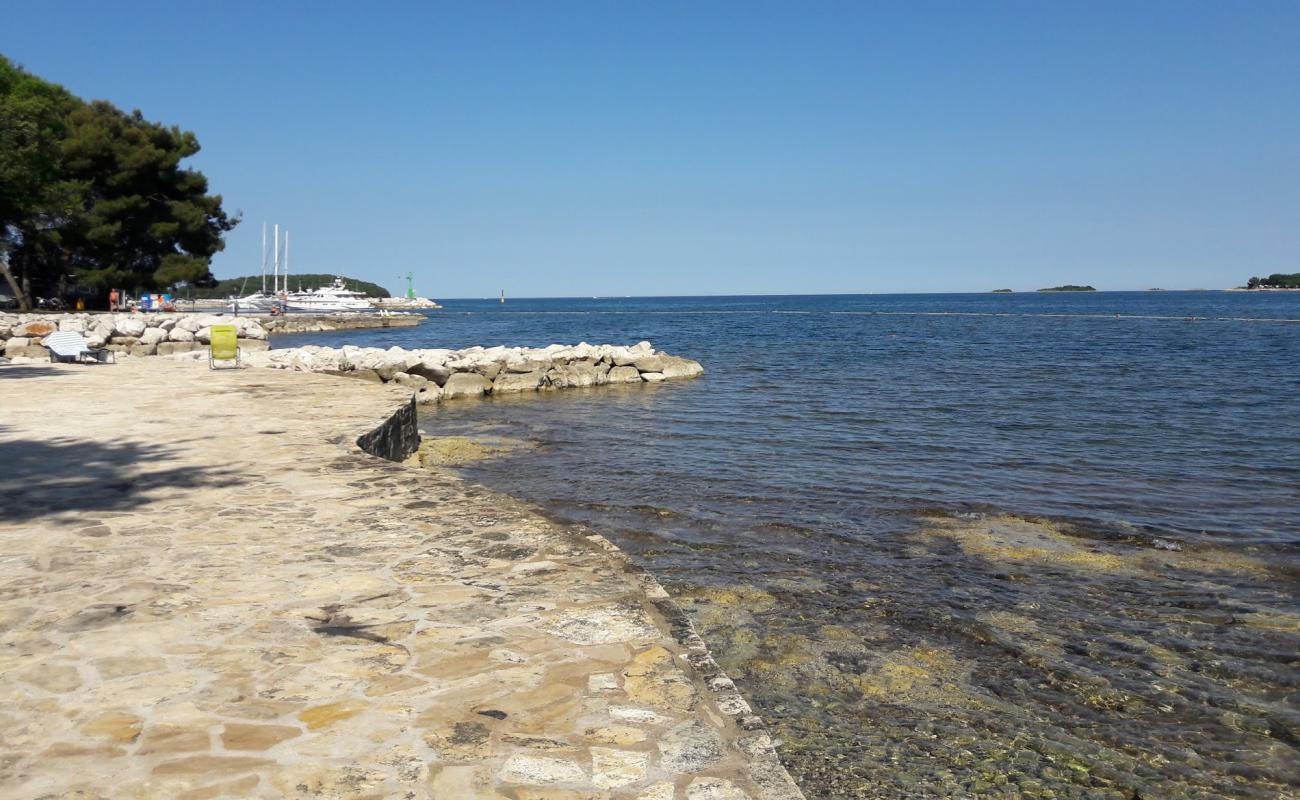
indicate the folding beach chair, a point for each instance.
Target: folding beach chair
{"x":223,"y":345}
{"x":69,"y":346}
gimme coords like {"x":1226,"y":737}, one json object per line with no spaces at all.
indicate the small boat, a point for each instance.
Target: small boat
{"x":503,"y":297}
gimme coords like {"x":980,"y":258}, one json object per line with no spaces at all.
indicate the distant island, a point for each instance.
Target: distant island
{"x":1069,"y":287}
{"x":308,"y":281}
{"x":1277,"y":280}
{"x":1001,"y":291}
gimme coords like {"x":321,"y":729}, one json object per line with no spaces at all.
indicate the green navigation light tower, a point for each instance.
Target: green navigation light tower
{"x":410,"y":290}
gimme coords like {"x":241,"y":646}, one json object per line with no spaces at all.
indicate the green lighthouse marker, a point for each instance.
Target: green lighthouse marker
{"x":410,"y":290}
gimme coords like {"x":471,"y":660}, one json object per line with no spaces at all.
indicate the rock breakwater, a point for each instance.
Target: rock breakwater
{"x":440,"y":374}
{"x":22,"y":336}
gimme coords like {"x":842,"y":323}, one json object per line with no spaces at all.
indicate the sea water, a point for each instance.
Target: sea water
{"x":1027,"y":545}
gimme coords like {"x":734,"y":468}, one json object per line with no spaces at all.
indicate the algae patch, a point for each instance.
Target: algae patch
{"x":1014,"y":540}
{"x":450,"y":451}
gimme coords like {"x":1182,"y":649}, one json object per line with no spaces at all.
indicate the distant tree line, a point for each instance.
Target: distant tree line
{"x":93,"y":197}
{"x":1275,"y":281}
{"x":307,"y":281}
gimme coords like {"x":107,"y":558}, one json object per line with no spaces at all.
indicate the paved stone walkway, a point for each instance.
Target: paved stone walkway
{"x":207,"y":590}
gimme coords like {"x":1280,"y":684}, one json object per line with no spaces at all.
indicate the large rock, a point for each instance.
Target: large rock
{"x":72,"y":324}
{"x":250,"y":329}
{"x":574,"y":375}
{"x":36,"y":329}
{"x":511,"y":382}
{"x":624,"y":375}
{"x":153,"y":336}
{"x":102,"y":329}
{"x":677,"y":367}
{"x":386,"y":367}
{"x":415,"y":382}
{"x":466,"y":384}
{"x":14,"y":345}
{"x":179,"y":334}
{"x":27,"y":351}
{"x":144,"y":349}
{"x":653,"y":377}
{"x":650,"y":364}
{"x":435,"y":371}
{"x":171,"y":348}
{"x":488,"y":369}
{"x":130,"y":326}
{"x":526,"y":365}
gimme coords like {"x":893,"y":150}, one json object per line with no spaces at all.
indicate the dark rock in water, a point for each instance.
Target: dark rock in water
{"x":438,"y":373}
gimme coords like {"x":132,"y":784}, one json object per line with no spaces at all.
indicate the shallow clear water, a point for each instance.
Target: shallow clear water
{"x":838,"y":504}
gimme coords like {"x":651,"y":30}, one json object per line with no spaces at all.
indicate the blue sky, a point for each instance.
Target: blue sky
{"x":620,"y":148}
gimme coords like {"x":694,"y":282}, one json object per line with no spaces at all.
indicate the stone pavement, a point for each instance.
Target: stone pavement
{"x":207,"y":590}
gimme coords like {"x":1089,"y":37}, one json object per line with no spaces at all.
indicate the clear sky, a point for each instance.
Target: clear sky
{"x":642,"y":148}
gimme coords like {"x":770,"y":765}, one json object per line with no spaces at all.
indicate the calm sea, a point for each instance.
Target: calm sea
{"x":838,"y":503}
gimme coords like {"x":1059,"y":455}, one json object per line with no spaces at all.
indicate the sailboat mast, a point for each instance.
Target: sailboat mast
{"x":263,"y":257}
{"x":286,"y":261}
{"x":275,"y":281}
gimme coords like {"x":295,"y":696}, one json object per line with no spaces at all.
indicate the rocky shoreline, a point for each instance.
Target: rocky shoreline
{"x":327,"y":623}
{"x":439,"y":374}
{"x":146,"y":334}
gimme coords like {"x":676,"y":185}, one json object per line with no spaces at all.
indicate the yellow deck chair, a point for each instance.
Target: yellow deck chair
{"x":223,"y":345}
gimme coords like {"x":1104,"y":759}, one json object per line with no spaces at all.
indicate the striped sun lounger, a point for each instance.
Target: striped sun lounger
{"x":70,"y":346}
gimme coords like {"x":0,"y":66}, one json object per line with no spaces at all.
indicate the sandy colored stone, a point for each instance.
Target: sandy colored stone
{"x":77,"y":749}
{"x":174,"y":739}
{"x":239,"y":736}
{"x":388,"y":684}
{"x":462,"y":783}
{"x":659,"y":791}
{"x":714,"y":789}
{"x":56,"y":679}
{"x":690,"y":747}
{"x":616,"y":734}
{"x":322,"y":716}
{"x":552,"y":793}
{"x":602,"y":682}
{"x":119,"y":726}
{"x":210,"y":765}
{"x":121,"y":666}
{"x":527,"y":769}
{"x":463,"y":740}
{"x":612,"y":768}
{"x":239,"y":787}
{"x":655,"y":680}
{"x":602,"y":625}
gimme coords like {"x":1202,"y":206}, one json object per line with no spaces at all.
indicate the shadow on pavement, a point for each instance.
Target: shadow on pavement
{"x":45,"y":477}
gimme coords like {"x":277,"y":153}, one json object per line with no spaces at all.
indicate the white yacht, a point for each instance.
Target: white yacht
{"x":336,"y":298}
{"x":332,"y":299}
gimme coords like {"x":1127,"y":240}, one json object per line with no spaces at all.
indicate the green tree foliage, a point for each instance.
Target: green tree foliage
{"x":90,"y":191}
{"x":306,"y":281}
{"x":1277,"y":280}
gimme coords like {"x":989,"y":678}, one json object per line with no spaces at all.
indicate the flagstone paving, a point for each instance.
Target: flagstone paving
{"x":207,"y":590}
